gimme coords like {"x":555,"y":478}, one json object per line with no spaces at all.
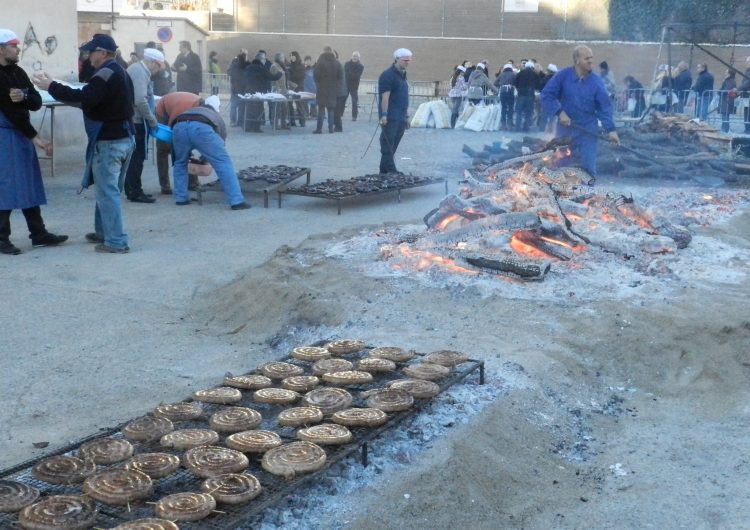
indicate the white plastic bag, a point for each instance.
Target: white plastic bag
{"x":421,"y":116}
{"x":465,"y":116}
{"x":478,"y":119}
{"x":441,"y":113}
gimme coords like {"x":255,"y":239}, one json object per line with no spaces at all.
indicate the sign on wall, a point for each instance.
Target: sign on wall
{"x":521,"y":6}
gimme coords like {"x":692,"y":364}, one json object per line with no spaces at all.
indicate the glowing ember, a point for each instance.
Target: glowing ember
{"x":423,"y":260}
{"x":575,"y":248}
{"x":525,"y":249}
{"x":448,"y":220}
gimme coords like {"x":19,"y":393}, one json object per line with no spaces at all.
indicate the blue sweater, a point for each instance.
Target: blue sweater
{"x":585,"y":100}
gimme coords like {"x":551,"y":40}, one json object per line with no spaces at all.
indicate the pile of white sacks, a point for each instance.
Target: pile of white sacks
{"x":437,"y":114}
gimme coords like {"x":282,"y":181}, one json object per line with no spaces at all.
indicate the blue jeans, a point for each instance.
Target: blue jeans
{"x":109,"y":166}
{"x":189,"y":135}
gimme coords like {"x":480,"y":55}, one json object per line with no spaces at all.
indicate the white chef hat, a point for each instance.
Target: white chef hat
{"x":403,"y":53}
{"x":154,"y":55}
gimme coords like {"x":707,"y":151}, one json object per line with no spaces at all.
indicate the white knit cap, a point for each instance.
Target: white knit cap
{"x":552,"y":67}
{"x":154,"y":55}
{"x":8,"y":37}
{"x":403,"y":53}
{"x":507,"y":65}
{"x":481,"y":65}
{"x":461,"y":68}
{"x":529,"y":64}
{"x":214,"y":102}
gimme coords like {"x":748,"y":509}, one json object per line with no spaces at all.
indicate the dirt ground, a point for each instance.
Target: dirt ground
{"x":632,"y":412}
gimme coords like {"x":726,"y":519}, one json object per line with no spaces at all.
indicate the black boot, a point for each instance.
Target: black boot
{"x":6,"y":247}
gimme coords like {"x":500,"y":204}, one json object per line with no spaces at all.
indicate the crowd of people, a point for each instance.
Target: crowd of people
{"x":332,"y":82}
{"x":673,"y":88}
{"x":515,"y":88}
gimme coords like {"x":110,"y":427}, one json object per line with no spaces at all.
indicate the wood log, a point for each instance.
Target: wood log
{"x":525,"y":270}
{"x":506,"y":221}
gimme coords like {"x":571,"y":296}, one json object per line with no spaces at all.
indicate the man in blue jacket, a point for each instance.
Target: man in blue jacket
{"x":578,"y":97}
{"x":107,"y":105}
{"x":393,"y":108}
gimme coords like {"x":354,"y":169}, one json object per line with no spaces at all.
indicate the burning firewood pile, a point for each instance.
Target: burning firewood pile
{"x":244,"y":446}
{"x":520,"y":216}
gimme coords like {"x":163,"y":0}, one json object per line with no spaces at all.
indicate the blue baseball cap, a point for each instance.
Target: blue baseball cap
{"x":100,"y":42}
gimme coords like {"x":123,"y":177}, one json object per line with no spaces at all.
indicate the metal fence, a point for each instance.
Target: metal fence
{"x":721,"y":108}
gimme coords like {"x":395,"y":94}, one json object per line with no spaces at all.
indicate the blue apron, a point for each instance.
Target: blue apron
{"x":21,"y":183}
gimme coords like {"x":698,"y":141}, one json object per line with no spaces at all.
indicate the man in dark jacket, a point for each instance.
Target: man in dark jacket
{"x":353,"y":70}
{"x":703,"y":88}
{"x":189,"y":70}
{"x":203,"y":129}
{"x":107,"y":104}
{"x":296,"y":82}
{"x":21,"y":185}
{"x":526,"y":83}
{"x":681,"y":83}
{"x":327,"y":78}
{"x":258,"y":80}
{"x":237,"y":85}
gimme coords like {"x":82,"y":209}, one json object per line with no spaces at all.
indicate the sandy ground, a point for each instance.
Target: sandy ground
{"x":632,"y":413}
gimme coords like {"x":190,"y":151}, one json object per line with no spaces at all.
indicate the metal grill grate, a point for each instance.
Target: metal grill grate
{"x":257,"y":183}
{"x":336,"y":194}
{"x":275,"y":489}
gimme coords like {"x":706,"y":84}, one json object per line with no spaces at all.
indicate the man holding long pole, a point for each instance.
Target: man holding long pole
{"x":580,"y":100}
{"x":393,"y":108}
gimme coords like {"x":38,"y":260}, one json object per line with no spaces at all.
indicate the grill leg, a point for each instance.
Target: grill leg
{"x":265,"y":198}
{"x":279,"y":199}
{"x":481,"y":373}
{"x":364,"y":454}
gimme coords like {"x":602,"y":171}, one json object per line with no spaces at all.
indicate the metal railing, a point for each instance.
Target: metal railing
{"x":717,"y":107}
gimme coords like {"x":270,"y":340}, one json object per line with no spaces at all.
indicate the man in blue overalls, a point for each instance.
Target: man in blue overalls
{"x":578,"y":97}
{"x":393,"y":107}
